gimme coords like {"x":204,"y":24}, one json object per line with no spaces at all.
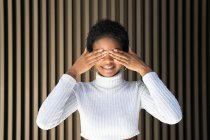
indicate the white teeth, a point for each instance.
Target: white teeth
{"x":108,"y":67}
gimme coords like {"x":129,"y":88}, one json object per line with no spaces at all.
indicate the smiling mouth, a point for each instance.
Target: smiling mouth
{"x":108,"y":68}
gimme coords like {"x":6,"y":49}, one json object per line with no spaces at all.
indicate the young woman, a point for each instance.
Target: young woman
{"x":109,"y":105}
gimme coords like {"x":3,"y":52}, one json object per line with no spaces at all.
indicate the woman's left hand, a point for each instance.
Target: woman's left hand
{"x":130,"y":60}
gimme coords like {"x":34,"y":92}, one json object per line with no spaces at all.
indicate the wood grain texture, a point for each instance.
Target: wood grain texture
{"x":41,"y":39}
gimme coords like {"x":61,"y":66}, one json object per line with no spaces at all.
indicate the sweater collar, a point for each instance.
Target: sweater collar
{"x":109,"y":82}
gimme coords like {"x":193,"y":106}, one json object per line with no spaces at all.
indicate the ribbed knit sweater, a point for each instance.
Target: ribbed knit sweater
{"x":109,"y":106}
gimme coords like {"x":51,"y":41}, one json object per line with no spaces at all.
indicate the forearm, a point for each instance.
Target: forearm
{"x":53,"y":107}
{"x":165,"y":102}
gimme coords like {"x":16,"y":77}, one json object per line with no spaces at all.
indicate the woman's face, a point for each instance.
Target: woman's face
{"x":107,"y":66}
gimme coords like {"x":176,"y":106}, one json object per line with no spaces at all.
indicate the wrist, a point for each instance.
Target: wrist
{"x":72,"y":72}
{"x":144,"y":71}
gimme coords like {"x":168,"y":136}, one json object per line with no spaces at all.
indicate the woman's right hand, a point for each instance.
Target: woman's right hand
{"x":86,"y":61}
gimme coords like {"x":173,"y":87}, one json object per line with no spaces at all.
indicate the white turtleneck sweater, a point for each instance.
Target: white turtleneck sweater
{"x":109,"y":106}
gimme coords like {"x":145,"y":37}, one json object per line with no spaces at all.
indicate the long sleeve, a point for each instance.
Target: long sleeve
{"x":59,"y":104}
{"x":157,"y":100}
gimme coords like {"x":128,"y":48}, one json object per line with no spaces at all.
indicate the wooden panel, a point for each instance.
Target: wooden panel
{"x":43,"y":56}
{"x":41,"y":39}
{"x":156,"y":55}
{"x":18,"y":70}
{"x":27,"y":70}
{"x":51,"y":33}
{"x":35,"y":69}
{"x":188,"y":71}
{"x":180,"y":70}
{"x":2,"y":72}
{"x":69,"y":129}
{"x":164,"y":53}
{"x":10,"y":71}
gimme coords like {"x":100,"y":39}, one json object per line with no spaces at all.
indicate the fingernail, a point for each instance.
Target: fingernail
{"x":115,"y":50}
{"x":100,"y":50}
{"x":105,"y":52}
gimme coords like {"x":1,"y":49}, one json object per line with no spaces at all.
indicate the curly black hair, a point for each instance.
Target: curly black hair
{"x":108,"y":28}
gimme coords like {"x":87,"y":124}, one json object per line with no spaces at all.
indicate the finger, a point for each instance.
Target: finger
{"x":119,"y":59}
{"x":121,"y":52}
{"x":94,"y":52}
{"x":85,"y":51}
{"x":96,"y":55}
{"x":124,"y":63}
{"x":121,"y":56}
{"x":92,"y":62}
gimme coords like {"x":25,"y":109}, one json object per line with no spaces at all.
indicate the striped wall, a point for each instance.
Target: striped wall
{"x":40,"y":40}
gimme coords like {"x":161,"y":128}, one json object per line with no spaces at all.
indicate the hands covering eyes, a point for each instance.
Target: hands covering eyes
{"x":130,"y":60}
{"x":88,"y":59}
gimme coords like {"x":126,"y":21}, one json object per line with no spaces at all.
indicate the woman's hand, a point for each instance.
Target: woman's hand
{"x":130,"y":60}
{"x":86,"y":61}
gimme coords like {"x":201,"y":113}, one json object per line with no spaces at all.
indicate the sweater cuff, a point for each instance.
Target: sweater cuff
{"x":150,"y":76}
{"x":153,"y":82}
{"x":67,"y":80}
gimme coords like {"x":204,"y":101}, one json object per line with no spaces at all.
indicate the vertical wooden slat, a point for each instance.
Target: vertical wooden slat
{"x":94,"y":11}
{"x":60,"y":53}
{"x":35,"y":67}
{"x":188,"y":72}
{"x":43,"y":54}
{"x":94,"y":18}
{"x":52,"y":49}
{"x":195,"y":40}
{"x":139,"y":51}
{"x":203,"y":71}
{"x":148,"y":49}
{"x":51,"y":56}
{"x":208,"y":62}
{"x":122,"y":10}
{"x":103,"y":9}
{"x":139,"y":28}
{"x":123,"y":16}
{"x":85,"y":24}
{"x":180,"y":67}
{"x":18,"y":70}
{"x":172,"y":63}
{"x":10,"y":70}
{"x":131,"y":33}
{"x":27,"y":77}
{"x":164,"y":58}
{"x":2,"y":65}
{"x":69,"y":51}
{"x":156,"y":55}
{"x":113,"y":9}
{"x":77,"y":53}
{"x":156,"y":38}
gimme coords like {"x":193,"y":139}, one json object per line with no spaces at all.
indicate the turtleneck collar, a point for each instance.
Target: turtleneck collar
{"x":109,"y":82}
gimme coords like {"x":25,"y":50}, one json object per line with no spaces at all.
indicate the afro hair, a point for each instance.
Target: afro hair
{"x":108,"y":28}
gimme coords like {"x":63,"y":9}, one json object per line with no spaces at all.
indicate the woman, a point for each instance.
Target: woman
{"x":108,"y":106}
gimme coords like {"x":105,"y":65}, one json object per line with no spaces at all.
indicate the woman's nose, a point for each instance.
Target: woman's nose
{"x":108,"y":58}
